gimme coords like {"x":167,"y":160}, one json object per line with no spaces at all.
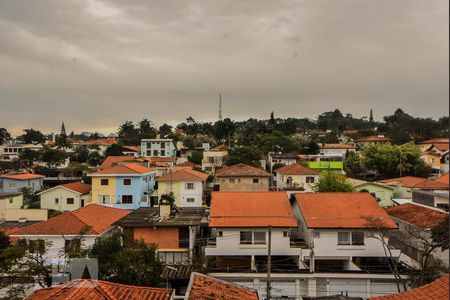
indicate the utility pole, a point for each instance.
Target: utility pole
{"x":269,"y":262}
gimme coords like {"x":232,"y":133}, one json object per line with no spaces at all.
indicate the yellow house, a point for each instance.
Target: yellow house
{"x":187,"y":186}
{"x":296,"y":177}
{"x":214,"y":158}
{"x":66,"y":197}
{"x":242,"y":177}
{"x":432,"y":159}
{"x":11,"y":200}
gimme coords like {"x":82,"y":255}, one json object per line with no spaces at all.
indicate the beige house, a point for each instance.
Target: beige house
{"x":187,"y":186}
{"x":242,"y":177}
{"x":66,"y":197}
{"x":296,"y":177}
{"x":11,"y":209}
{"x":213,"y":159}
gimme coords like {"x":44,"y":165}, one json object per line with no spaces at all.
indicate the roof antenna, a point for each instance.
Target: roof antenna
{"x":220,"y":107}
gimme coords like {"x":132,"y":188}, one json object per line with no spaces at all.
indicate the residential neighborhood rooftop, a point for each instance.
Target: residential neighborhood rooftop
{"x":129,"y":168}
{"x":184,"y":175}
{"x":242,"y":170}
{"x":111,"y":161}
{"x":94,"y":218}
{"x":22,"y":176}
{"x":83,"y":289}
{"x":296,"y":169}
{"x":78,"y":186}
{"x":443,"y":179}
{"x":435,"y":141}
{"x":373,"y":138}
{"x":251,"y":209}
{"x":342,"y":210}
{"x":418,"y":215}
{"x":415,"y":182}
{"x":206,"y":287}
{"x":337,"y":146}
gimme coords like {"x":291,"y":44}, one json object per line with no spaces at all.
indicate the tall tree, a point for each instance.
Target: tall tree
{"x":4,"y":136}
{"x":165,"y":130}
{"x":331,"y":182}
{"x":32,"y":136}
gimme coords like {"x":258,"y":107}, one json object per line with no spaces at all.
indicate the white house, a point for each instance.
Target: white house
{"x":69,"y":196}
{"x":280,"y":159}
{"x":72,"y":230}
{"x":187,"y":186}
{"x":336,"y":149}
{"x":296,"y":177}
{"x":158,"y":148}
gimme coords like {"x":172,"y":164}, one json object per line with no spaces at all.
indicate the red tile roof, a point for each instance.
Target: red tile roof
{"x":437,"y":290}
{"x":441,"y":147}
{"x":241,"y":170}
{"x":251,"y":209}
{"x":417,"y":215}
{"x":415,"y":182}
{"x":202,"y":287}
{"x":184,"y":175}
{"x":78,"y":187}
{"x":342,"y":210}
{"x":442,"y":179}
{"x":373,"y":138}
{"x":296,"y":169}
{"x":435,"y":141}
{"x":132,"y":148}
{"x":84,"y":289}
{"x":98,"y":217}
{"x":220,"y":147}
{"x":337,"y":146}
{"x":106,"y":141}
{"x":23,"y":176}
{"x":111,"y":161}
{"x":186,"y":164}
{"x":129,"y":168}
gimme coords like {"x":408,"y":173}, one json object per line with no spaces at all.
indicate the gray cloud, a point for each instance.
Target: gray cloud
{"x":98,"y":63}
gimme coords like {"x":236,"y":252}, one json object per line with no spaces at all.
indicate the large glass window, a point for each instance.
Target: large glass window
{"x":357,"y":238}
{"x":343,"y":238}
{"x":246,"y":237}
{"x":259,"y":238}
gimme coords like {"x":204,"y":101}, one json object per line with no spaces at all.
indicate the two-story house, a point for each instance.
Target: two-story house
{"x":296,"y":177}
{"x":173,"y":230}
{"x":126,"y":186}
{"x":69,"y":196}
{"x":241,"y":223}
{"x":72,"y":230}
{"x":158,"y":148}
{"x":14,"y":183}
{"x":187,"y":186}
{"x":242,"y":177}
{"x":403,"y":186}
{"x":214,"y":158}
{"x":280,"y":159}
{"x":370,"y":140}
{"x":336,"y":149}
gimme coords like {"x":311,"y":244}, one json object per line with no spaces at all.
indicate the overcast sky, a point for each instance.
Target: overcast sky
{"x":95,"y":64}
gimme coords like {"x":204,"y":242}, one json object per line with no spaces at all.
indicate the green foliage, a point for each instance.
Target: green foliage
{"x":52,"y":157}
{"x":124,"y":260}
{"x":353,"y":164}
{"x":80,"y":155}
{"x":32,"y":136}
{"x":94,"y":159}
{"x":189,"y":142}
{"x":196,"y":157}
{"x":114,"y":150}
{"x":249,"y":155}
{"x":5,"y":242}
{"x":165,"y":130}
{"x":131,"y":135}
{"x":440,"y":235}
{"x":28,"y":157}
{"x":62,"y":142}
{"x":53,"y":213}
{"x":4,"y":136}
{"x":331,"y":182}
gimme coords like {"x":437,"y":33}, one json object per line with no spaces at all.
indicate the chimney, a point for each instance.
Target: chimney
{"x":164,"y":209}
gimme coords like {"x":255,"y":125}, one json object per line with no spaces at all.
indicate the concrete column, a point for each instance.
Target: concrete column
{"x":312,"y":287}
{"x":256,"y":283}
{"x":368,"y":284}
{"x":253,"y":264}
{"x":297,"y":290}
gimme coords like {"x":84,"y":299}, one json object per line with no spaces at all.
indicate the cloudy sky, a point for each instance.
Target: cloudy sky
{"x":97,"y":63}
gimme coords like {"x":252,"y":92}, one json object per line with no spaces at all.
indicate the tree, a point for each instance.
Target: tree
{"x":4,"y":136}
{"x":94,"y":159}
{"x":80,"y":155}
{"x":331,"y":182}
{"x":189,"y":142}
{"x":249,"y":155}
{"x":52,"y":157}
{"x":353,"y":164}
{"x":62,"y":142}
{"x":28,"y":157}
{"x":5,"y":242}
{"x":146,"y":129}
{"x":125,"y":260}
{"x":196,"y":157}
{"x":32,"y":136}
{"x":165,"y":130}
{"x":439,"y":234}
{"x":114,"y":150}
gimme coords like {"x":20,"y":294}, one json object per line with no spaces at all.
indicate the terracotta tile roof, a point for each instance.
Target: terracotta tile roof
{"x":373,"y":138}
{"x":415,"y":182}
{"x":129,"y":168}
{"x":417,"y":215}
{"x":202,"y":287}
{"x":251,"y":209}
{"x":337,"y":146}
{"x":111,"y":161}
{"x":78,"y":187}
{"x":23,"y":176}
{"x":106,"y":141}
{"x":221,"y":147}
{"x":437,"y":290}
{"x":435,"y":141}
{"x":132,"y":148}
{"x":98,"y":217}
{"x":163,"y":159}
{"x":442,"y":179}
{"x":184,"y":175}
{"x":83,"y":289}
{"x":241,"y":170}
{"x":296,"y":169}
{"x":186,"y":164}
{"x":441,"y":147}
{"x":342,"y":210}
{"x":350,"y":131}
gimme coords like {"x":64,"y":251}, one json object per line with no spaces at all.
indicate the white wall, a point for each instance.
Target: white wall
{"x":196,"y":193}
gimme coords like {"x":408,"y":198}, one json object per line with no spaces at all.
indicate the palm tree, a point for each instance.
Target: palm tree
{"x":126,"y":129}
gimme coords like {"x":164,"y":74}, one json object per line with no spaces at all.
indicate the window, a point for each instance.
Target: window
{"x":56,"y":200}
{"x":70,"y":201}
{"x":36,"y":245}
{"x":357,"y":238}
{"x":11,"y":200}
{"x":246,"y":237}
{"x":163,"y":145}
{"x":149,"y":145}
{"x":126,"y":181}
{"x":231,"y":180}
{"x":155,"y":152}
{"x":343,"y":238}
{"x":316,"y":234}
{"x":127,"y":199}
{"x":220,"y":233}
{"x":12,"y":185}
{"x":104,"y":181}
{"x":285,"y":233}
{"x":104,"y":199}
{"x":211,"y":159}
{"x":190,"y":200}
{"x":149,"y":152}
{"x":309,"y":179}
{"x":255,"y":180}
{"x":190,"y":186}
{"x":163,"y":152}
{"x":259,"y":238}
